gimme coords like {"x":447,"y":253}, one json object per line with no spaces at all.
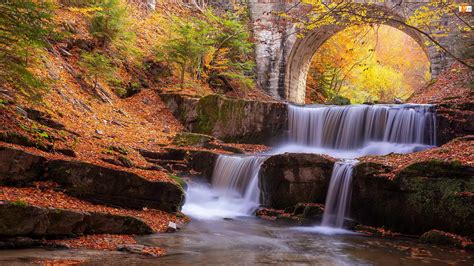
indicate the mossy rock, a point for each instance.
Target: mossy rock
{"x":192,"y":139}
{"x":423,"y":196}
{"x":14,"y":137}
{"x":443,"y":238}
{"x":438,"y":169}
{"x":179,"y":181}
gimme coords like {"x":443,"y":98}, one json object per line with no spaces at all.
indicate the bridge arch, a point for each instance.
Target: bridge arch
{"x":283,"y":60}
{"x":303,"y":50}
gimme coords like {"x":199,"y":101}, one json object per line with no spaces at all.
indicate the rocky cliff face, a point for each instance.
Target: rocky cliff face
{"x":231,"y":120}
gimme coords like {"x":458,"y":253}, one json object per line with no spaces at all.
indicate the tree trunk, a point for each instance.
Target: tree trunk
{"x":183,"y":70}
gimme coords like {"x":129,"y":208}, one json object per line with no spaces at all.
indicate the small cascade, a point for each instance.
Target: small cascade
{"x":351,"y":127}
{"x":339,"y":194}
{"x":237,"y":177}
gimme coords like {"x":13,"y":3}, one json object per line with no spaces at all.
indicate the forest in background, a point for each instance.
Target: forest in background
{"x":198,"y":49}
{"x":201,"y":51}
{"x":367,"y":64}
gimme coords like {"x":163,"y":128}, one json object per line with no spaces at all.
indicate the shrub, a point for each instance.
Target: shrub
{"x":97,"y":66}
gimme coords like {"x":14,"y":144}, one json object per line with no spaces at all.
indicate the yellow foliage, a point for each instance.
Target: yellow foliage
{"x":370,"y":64}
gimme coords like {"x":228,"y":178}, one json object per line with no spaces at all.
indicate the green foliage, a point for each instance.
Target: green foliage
{"x":24,"y":26}
{"x":108,"y":21}
{"x":76,"y":3}
{"x":211,"y":45}
{"x":97,"y":66}
{"x":178,"y":180}
{"x":188,"y":46}
{"x":19,"y":203}
{"x":340,"y":100}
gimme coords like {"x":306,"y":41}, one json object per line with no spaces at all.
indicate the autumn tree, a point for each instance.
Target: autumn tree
{"x":362,"y":64}
{"x":210,"y":46}
{"x":426,"y":19}
{"x":24,"y":27}
{"x":96,"y":66}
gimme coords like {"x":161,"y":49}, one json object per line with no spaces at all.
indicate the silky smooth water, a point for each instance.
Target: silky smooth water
{"x":252,"y":241}
{"x":344,"y":132}
{"x":339,"y":194}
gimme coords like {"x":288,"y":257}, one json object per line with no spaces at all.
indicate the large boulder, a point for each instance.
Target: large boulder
{"x":20,"y":219}
{"x":423,"y":196}
{"x":19,"y":167}
{"x":231,"y":120}
{"x":290,"y":178}
{"x":115,"y":187}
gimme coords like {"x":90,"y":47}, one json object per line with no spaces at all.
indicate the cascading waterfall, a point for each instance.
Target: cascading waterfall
{"x":238,"y":177}
{"x":339,"y":194}
{"x":351,"y":127}
{"x":344,"y":132}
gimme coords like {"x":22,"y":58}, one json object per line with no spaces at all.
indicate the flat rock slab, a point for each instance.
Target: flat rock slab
{"x":115,"y":187}
{"x":89,"y":182}
{"x":19,"y":167}
{"x":18,"y":219}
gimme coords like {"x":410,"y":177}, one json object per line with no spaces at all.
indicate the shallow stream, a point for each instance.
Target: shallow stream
{"x":249,"y":241}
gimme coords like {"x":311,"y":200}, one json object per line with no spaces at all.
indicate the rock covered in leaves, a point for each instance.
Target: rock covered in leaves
{"x":89,"y":181}
{"x":425,"y":195}
{"x":438,"y":237}
{"x":20,"y":219}
{"x":290,"y":178}
{"x":111,"y":186}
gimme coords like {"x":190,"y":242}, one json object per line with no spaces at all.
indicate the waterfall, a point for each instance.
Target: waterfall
{"x":347,"y":131}
{"x":344,"y":132}
{"x":233,"y":192}
{"x":339,"y":194}
{"x":351,"y":127}
{"x":237,"y":177}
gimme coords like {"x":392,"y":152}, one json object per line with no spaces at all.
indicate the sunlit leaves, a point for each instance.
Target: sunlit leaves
{"x":363,"y":64}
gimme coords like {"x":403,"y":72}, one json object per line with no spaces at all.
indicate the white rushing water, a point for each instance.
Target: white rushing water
{"x":344,"y":132}
{"x":339,"y":194}
{"x":234,"y":189}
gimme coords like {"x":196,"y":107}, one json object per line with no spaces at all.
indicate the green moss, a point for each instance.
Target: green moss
{"x":178,"y":180}
{"x":437,"y":169}
{"x":118,"y":149}
{"x":217,"y":111}
{"x":19,"y":203}
{"x":191,"y":139}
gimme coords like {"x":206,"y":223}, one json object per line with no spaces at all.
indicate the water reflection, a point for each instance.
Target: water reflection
{"x":247,"y":240}
{"x":250,"y":241}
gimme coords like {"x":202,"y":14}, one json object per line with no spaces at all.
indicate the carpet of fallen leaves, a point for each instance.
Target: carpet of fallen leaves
{"x":44,"y":195}
{"x":57,"y":262}
{"x":376,"y":231}
{"x":460,"y":149}
{"x":453,"y":86}
{"x":102,"y":242}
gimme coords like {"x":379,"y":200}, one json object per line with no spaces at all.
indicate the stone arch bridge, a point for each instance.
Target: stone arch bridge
{"x":283,"y":59}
